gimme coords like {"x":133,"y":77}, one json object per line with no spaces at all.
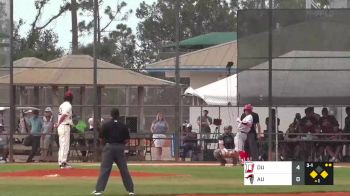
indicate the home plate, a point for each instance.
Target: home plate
{"x":52,"y":175}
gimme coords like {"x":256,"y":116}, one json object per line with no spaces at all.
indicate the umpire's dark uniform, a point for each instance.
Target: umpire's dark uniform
{"x":115,"y":134}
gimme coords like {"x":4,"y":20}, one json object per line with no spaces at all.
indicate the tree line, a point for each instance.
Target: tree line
{"x":117,"y":42}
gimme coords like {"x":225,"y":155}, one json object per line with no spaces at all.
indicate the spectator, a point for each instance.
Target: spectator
{"x":329,"y":125}
{"x":189,"y":140}
{"x":204,"y":123}
{"x":273,"y":121}
{"x":293,"y":149}
{"x":294,"y":127}
{"x":347,"y":128}
{"x":334,"y":149}
{"x":226,"y":144}
{"x":252,"y":136}
{"x":159,"y":127}
{"x":309,"y":125}
{"x":91,"y":123}
{"x":282,"y":147}
{"x":25,"y":121}
{"x":310,"y":122}
{"x":47,"y":128}
{"x":3,"y":145}
{"x":35,"y":131}
{"x":316,"y":116}
{"x":347,"y":121}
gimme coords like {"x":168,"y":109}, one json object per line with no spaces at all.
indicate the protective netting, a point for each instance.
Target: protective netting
{"x":310,"y":57}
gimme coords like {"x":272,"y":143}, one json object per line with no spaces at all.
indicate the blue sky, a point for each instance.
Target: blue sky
{"x":25,"y":9}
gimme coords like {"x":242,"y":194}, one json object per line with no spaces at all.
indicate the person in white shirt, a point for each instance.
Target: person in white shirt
{"x":91,"y":123}
{"x":63,"y":129}
{"x":47,"y":130}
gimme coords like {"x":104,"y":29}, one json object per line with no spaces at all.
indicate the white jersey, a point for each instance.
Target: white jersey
{"x":245,"y":124}
{"x":65,"y":108}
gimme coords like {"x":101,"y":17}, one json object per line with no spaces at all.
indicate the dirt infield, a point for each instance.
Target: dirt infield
{"x":75,"y":173}
{"x":285,"y":194}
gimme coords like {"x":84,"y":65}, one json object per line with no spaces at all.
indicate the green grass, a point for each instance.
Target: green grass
{"x":201,"y":180}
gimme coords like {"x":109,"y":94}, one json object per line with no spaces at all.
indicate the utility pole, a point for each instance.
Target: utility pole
{"x":270,"y":81}
{"x":12,"y":88}
{"x":95,"y":108}
{"x":178,"y":88}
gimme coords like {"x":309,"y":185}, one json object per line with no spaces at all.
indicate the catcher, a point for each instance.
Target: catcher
{"x":226,"y":146}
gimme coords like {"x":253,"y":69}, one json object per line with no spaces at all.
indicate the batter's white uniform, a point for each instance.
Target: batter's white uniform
{"x":64,"y":131}
{"x":243,"y":129}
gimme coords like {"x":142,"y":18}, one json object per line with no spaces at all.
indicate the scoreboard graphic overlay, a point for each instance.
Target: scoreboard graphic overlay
{"x":288,"y":173}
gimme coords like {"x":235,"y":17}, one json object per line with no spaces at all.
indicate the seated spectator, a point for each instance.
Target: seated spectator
{"x":3,"y":145}
{"x":334,"y":149}
{"x":310,"y":122}
{"x":79,"y":126}
{"x":293,"y":149}
{"x":189,"y":141}
{"x":294,"y":127}
{"x":329,"y":125}
{"x":309,"y":125}
{"x":226,"y":145}
{"x":346,"y":130}
{"x":315,"y":115}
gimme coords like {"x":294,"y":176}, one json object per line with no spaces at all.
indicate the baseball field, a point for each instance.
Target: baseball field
{"x":151,"y":179}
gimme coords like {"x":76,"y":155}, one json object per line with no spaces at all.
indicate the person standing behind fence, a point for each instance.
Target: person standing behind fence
{"x":204,"y":123}
{"x":24,"y":121}
{"x":35,"y":131}
{"x":46,"y":139}
{"x":159,"y":127}
{"x":63,"y":129}
{"x":115,"y":135}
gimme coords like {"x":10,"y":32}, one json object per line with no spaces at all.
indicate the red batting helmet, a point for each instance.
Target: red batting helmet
{"x":68,"y":94}
{"x":248,"y":107}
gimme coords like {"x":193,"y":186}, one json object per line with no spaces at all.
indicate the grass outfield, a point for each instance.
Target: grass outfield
{"x":193,"y":180}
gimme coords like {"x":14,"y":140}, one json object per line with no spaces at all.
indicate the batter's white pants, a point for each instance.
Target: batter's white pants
{"x":239,"y":141}
{"x":64,"y":141}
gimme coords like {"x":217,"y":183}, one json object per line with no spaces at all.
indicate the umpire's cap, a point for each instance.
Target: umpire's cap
{"x":114,"y":113}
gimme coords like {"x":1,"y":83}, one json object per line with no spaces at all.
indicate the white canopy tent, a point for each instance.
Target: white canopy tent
{"x":221,"y":93}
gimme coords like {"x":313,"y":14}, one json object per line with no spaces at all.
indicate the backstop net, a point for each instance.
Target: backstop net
{"x":309,"y":52}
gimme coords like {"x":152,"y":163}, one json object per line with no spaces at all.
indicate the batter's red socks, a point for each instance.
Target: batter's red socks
{"x":243,"y":155}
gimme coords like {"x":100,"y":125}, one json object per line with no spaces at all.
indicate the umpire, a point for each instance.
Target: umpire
{"x":115,"y":134}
